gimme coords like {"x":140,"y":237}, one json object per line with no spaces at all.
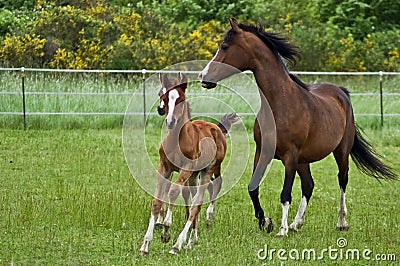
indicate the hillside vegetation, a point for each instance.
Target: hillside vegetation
{"x":333,"y":35}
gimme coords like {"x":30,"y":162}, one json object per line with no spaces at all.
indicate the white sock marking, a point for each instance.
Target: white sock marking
{"x":149,"y":235}
{"x":168,"y":218}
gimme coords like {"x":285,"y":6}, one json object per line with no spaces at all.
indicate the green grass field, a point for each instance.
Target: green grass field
{"x":67,"y":198}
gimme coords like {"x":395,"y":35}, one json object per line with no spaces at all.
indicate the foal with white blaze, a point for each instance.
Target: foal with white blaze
{"x":195,"y":149}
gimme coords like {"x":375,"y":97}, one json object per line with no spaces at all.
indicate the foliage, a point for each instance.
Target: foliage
{"x":22,"y":50}
{"x":345,"y":35}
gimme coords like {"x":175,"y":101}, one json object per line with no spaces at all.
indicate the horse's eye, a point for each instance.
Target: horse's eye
{"x":224,"y":47}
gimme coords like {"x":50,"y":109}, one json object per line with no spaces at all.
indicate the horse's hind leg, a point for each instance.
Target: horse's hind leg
{"x":342,"y":160}
{"x":186,"y":198}
{"x":214,"y":188}
{"x":194,"y":211}
{"x":307,"y":186}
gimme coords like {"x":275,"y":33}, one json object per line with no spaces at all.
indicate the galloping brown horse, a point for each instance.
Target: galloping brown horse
{"x":195,"y":149}
{"x":311,"y":121}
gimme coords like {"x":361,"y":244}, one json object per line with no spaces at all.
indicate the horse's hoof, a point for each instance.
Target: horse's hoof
{"x":266,"y":224}
{"x":165,"y":237}
{"x":158,"y":226}
{"x":144,"y":253}
{"x":295,"y":227}
{"x":343,"y":228}
{"x":209,"y":222}
{"x":174,"y":251}
{"x":283,"y":232}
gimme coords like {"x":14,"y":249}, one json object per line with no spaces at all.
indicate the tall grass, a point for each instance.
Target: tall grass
{"x":94,"y":93}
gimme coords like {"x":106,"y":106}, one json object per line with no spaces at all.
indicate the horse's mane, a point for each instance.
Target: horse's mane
{"x":279,"y":45}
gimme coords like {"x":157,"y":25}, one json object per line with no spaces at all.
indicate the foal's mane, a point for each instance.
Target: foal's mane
{"x":280,"y":46}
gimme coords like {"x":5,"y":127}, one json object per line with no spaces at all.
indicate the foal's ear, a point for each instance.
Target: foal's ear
{"x":164,"y":80}
{"x":234,"y":24}
{"x":182,"y":81}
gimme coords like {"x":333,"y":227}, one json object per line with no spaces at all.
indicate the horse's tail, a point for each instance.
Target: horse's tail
{"x":227,"y":121}
{"x":368,"y":160}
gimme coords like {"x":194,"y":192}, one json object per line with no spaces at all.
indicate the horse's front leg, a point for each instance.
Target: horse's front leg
{"x":261,"y":159}
{"x":194,"y":211}
{"x":159,"y":222}
{"x":162,"y":182}
{"x":174,"y":192}
{"x":290,"y":162}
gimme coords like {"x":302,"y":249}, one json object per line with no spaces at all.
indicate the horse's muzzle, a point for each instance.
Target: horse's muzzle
{"x":208,"y":85}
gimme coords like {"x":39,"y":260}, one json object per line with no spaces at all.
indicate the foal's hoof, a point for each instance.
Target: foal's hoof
{"x":144,"y":253}
{"x":266,"y":224}
{"x":210,"y":221}
{"x":165,"y":235}
{"x":158,"y":226}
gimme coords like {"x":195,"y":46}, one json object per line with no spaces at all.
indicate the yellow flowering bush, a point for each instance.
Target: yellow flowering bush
{"x":24,"y":50}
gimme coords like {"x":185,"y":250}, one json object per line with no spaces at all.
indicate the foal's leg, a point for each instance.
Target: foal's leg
{"x":307,"y":186}
{"x":194,"y":211}
{"x":159,"y":222}
{"x":162,"y":182}
{"x":173,"y":195}
{"x":216,"y":185}
{"x":290,"y":162}
{"x":342,"y":161}
{"x":186,"y":198}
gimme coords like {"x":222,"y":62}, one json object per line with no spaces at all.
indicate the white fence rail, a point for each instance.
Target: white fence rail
{"x":144,"y":73}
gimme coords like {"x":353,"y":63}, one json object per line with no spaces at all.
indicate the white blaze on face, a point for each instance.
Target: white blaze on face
{"x":204,"y":72}
{"x":163,"y":91}
{"x":172,"y":97}
{"x":162,"y":104}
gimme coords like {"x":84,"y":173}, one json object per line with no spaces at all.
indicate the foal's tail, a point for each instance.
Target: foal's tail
{"x":227,"y":121}
{"x":368,"y":160}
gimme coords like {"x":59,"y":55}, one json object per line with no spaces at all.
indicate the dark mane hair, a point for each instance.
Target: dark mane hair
{"x":279,"y":45}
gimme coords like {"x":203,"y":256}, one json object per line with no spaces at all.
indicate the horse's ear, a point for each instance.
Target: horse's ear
{"x":183,"y":81}
{"x":164,"y":80}
{"x":234,"y":24}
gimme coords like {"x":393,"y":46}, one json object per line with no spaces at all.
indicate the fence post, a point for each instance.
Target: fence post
{"x":144,"y":95}
{"x":381,"y":95}
{"x":23,"y":96}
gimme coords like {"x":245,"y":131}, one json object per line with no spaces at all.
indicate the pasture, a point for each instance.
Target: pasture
{"x":67,"y":196}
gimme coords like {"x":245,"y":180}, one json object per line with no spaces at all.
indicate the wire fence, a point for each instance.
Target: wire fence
{"x":19,"y":90}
